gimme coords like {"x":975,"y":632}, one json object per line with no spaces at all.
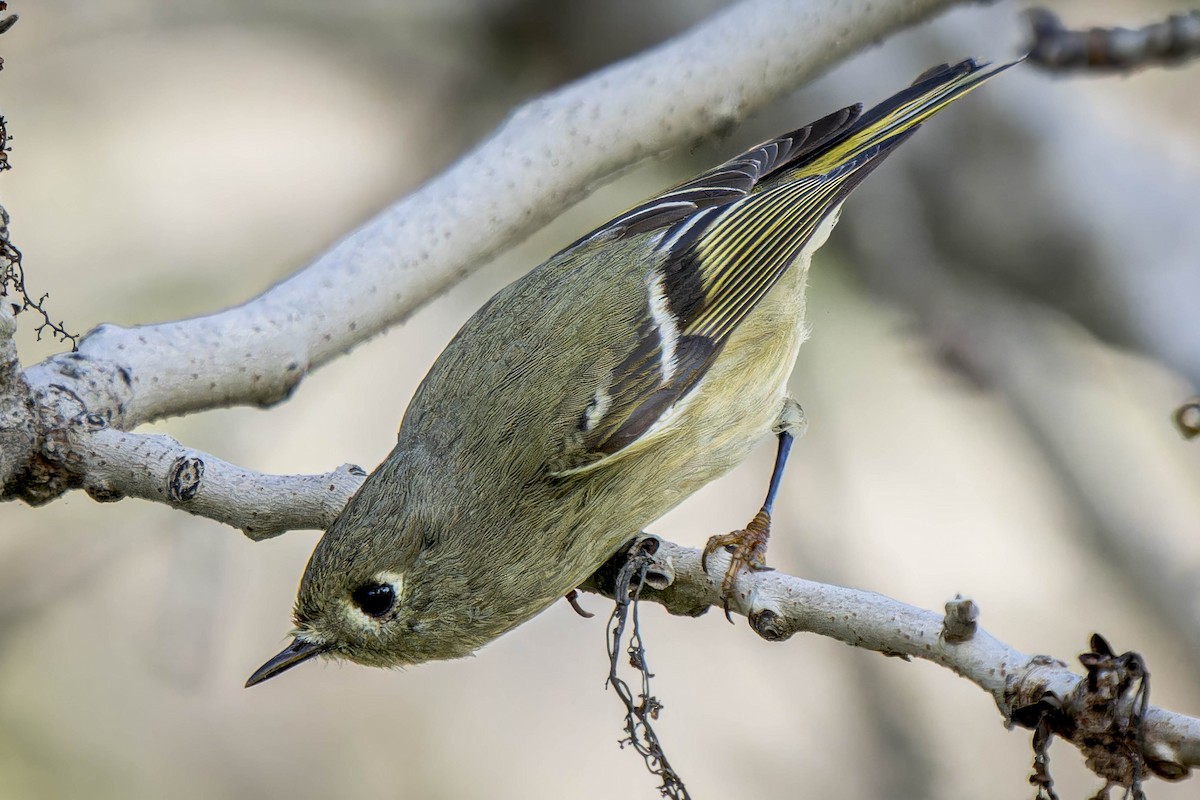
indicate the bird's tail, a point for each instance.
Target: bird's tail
{"x":900,"y":114}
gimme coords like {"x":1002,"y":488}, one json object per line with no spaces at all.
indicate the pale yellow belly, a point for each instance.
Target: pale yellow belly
{"x":740,"y":399}
{"x":735,"y":405}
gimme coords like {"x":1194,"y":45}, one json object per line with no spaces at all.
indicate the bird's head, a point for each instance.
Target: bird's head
{"x":383,"y":588}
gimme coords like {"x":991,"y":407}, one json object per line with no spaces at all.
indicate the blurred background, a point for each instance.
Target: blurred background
{"x":1002,"y":326}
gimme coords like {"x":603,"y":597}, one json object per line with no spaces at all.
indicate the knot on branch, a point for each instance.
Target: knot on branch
{"x":1187,"y":418}
{"x":1108,"y":709}
{"x":73,"y":395}
{"x":660,"y":573}
{"x":183,"y":481}
{"x":961,"y":621}
{"x":1104,"y":715}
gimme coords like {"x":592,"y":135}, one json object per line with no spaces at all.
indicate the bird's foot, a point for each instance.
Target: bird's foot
{"x":748,"y":551}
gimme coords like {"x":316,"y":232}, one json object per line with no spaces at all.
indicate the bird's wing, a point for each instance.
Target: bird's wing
{"x":724,"y":239}
{"x":731,"y":181}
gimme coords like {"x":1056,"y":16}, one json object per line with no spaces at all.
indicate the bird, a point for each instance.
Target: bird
{"x":594,"y":394}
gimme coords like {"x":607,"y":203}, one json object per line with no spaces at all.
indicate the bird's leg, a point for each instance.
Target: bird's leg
{"x":748,"y":547}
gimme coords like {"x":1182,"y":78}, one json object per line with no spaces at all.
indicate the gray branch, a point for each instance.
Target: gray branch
{"x":116,"y":464}
{"x":1101,"y":717}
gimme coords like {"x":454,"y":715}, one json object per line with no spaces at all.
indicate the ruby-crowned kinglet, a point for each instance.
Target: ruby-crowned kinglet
{"x":591,"y":396}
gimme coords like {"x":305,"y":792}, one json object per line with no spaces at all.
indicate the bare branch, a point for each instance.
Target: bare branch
{"x":83,"y":451}
{"x":1057,"y":48}
{"x":961,"y":621}
{"x":779,"y":606}
{"x":116,"y":464}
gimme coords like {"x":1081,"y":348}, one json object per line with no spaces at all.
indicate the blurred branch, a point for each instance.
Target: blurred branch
{"x":1096,"y":227}
{"x":1136,"y":488}
{"x":1138,"y":492}
{"x":1086,"y":211}
{"x":548,"y":154}
{"x":1100,"y":228}
{"x":1056,"y":48}
{"x":1094,"y":714}
{"x":6,"y":24}
{"x":1187,"y":418}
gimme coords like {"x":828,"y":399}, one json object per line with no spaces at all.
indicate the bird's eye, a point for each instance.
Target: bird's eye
{"x":375,"y":599}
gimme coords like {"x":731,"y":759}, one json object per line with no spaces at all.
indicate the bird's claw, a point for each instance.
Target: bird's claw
{"x":572,"y":597}
{"x":747,"y":549}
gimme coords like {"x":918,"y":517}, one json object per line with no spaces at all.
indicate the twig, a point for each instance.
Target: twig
{"x":1042,"y":737}
{"x":631,"y":577}
{"x":12,"y":270}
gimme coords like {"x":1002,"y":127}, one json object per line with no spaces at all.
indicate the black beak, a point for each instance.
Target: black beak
{"x":296,"y":652}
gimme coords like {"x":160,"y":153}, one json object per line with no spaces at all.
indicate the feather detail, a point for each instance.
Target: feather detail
{"x":731,"y":181}
{"x":723,"y":240}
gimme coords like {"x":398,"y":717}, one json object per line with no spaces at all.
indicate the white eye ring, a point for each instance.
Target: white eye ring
{"x":375,"y":600}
